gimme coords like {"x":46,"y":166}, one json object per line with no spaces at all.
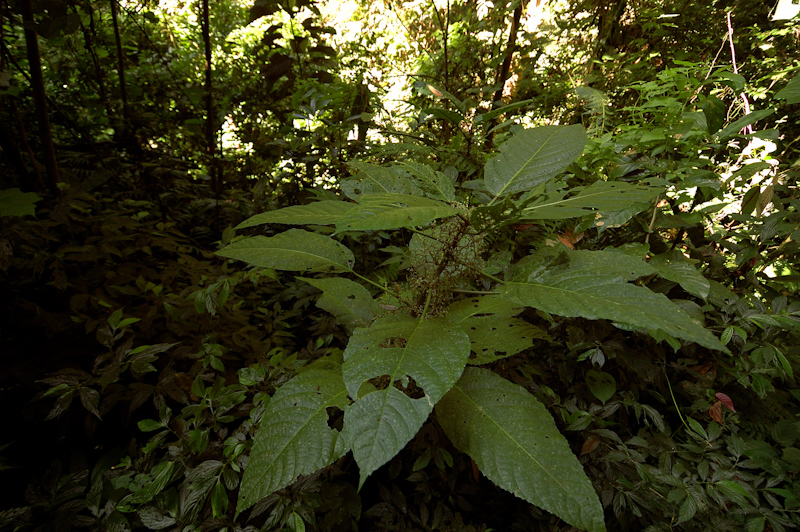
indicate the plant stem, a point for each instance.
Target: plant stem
{"x":373,"y":283}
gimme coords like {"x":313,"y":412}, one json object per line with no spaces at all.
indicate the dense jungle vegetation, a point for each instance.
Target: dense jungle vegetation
{"x":424,"y":265}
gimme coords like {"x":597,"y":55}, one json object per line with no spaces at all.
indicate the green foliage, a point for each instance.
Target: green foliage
{"x":629,"y":290}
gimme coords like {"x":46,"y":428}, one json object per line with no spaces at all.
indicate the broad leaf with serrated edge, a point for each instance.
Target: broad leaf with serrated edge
{"x":326,"y":212}
{"x":14,"y":202}
{"x":601,"y":196}
{"x":434,"y":184}
{"x":374,"y":179}
{"x":593,"y":285}
{"x":393,"y":211}
{"x":516,"y":444}
{"x":294,"y":437}
{"x":431,"y":352}
{"x":494,"y":332}
{"x":533,"y":157}
{"x":293,"y":250}
{"x":349,"y":301}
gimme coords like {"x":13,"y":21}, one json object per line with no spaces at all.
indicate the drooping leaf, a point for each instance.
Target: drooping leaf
{"x":487,"y":116}
{"x":434,"y":184}
{"x":533,"y":157}
{"x":747,"y":120}
{"x":675,"y":267}
{"x":493,"y":331}
{"x":601,"y":196}
{"x":791,"y":92}
{"x":326,"y":212}
{"x":294,"y":437}
{"x":515,"y":443}
{"x":374,"y":179}
{"x":293,"y":250}
{"x":349,"y":301}
{"x":431,"y":352}
{"x":444,"y":114}
{"x":393,"y":211}
{"x":14,"y":202}
{"x":594,"y":285}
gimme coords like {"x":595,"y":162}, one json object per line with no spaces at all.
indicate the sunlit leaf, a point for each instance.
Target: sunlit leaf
{"x":393,"y":211}
{"x":533,"y":157}
{"x":599,"y":197}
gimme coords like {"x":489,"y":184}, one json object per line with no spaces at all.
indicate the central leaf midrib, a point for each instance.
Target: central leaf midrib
{"x":573,"y":198}
{"x":518,"y":172}
{"x":478,"y":409}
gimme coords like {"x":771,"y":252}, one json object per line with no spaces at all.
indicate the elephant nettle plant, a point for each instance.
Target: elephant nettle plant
{"x":402,"y":364}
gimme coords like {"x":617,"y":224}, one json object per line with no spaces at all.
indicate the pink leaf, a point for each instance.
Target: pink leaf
{"x":725,"y":401}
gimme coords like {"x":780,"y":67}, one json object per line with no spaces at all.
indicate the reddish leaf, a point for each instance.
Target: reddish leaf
{"x":521,"y":227}
{"x":569,"y":239}
{"x":591,"y":443}
{"x":716,"y":411}
{"x":725,"y":400}
{"x":475,"y":472}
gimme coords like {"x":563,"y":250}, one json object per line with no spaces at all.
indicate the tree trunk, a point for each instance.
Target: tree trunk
{"x":211,"y":138}
{"x":39,"y":97}
{"x":505,"y":68}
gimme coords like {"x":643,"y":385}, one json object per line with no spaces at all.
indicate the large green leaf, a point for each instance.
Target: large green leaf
{"x":294,"y":437}
{"x":349,"y":301}
{"x":395,"y":348}
{"x":14,"y":202}
{"x":326,"y":212}
{"x":601,"y":196}
{"x":593,"y":285}
{"x":791,"y":92}
{"x":675,"y":267}
{"x":734,"y":128}
{"x":533,"y":157}
{"x":294,"y":250}
{"x":393,"y":211}
{"x":516,"y":444}
{"x":492,"y":328}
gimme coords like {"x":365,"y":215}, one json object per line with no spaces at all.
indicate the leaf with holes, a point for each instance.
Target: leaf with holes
{"x":293,"y":250}
{"x":434,"y":184}
{"x":394,"y":350}
{"x":393,"y":211}
{"x":326,"y":212}
{"x":593,"y":285}
{"x":374,"y":179}
{"x":492,"y":328}
{"x":349,"y":301}
{"x":294,"y":437}
{"x":516,"y":444}
{"x":533,"y":157}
